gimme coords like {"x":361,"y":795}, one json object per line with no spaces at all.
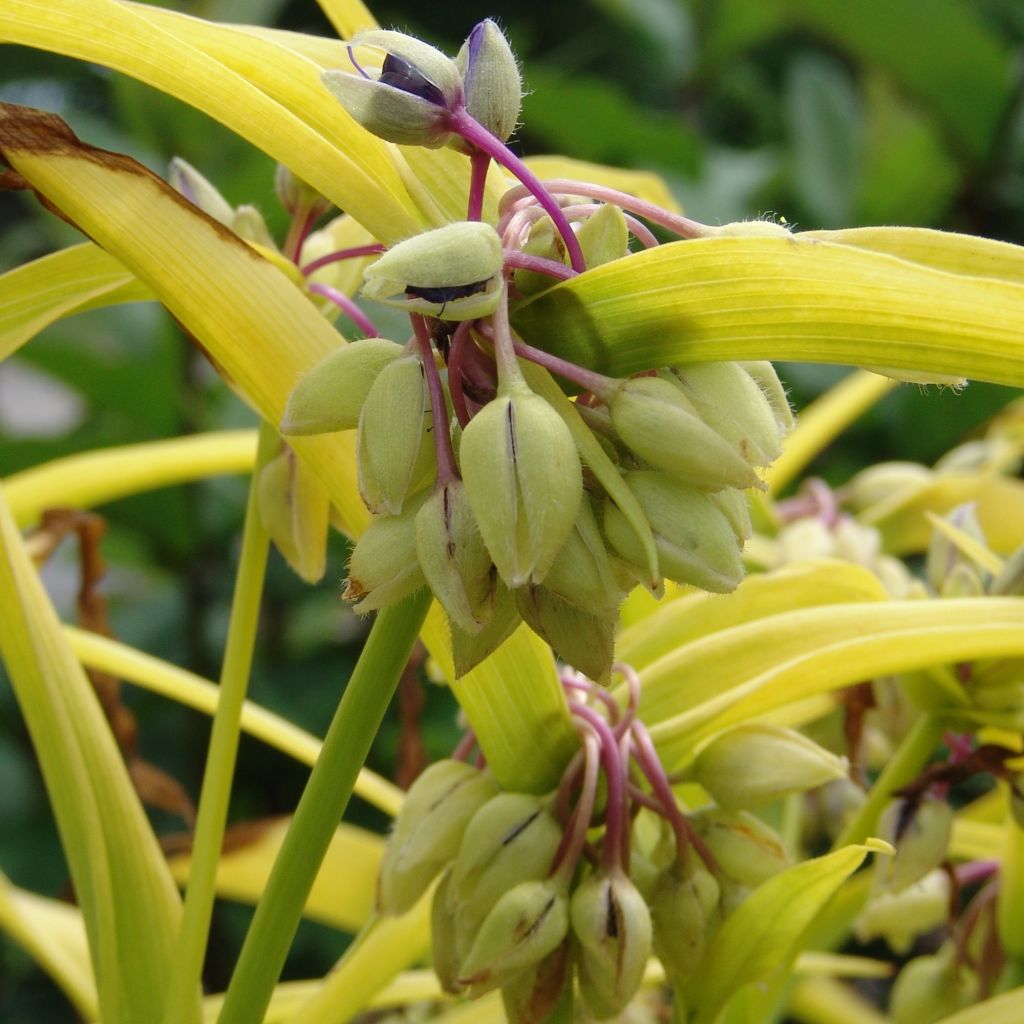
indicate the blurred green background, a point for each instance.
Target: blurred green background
{"x":828,"y":114}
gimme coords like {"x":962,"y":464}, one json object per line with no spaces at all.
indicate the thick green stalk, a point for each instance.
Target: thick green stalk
{"x":187,"y":965}
{"x":323,"y":802}
{"x":909,"y":759}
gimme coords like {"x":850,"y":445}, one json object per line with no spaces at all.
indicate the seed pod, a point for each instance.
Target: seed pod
{"x":428,"y":831}
{"x":531,"y":995}
{"x":920,"y":829}
{"x":395,"y":449}
{"x":656,"y":421}
{"x":408,"y":99}
{"x":452,"y":272}
{"x":754,"y":764}
{"x":612,"y":925}
{"x":383,"y":568}
{"x":729,"y":401}
{"x":524,"y":483}
{"x":526,"y":924}
{"x":331,"y":395}
{"x":695,"y":542}
{"x":490,"y":77}
{"x":453,"y":558}
{"x":747,"y":851}
{"x":683,"y":907}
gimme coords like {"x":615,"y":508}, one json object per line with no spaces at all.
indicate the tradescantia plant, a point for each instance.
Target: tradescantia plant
{"x":579,"y":419}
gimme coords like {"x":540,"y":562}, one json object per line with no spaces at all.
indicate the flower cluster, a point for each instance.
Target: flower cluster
{"x":486,"y":481}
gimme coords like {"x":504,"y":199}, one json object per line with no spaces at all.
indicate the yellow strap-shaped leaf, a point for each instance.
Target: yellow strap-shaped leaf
{"x":778,"y":298}
{"x":360,"y":180}
{"x":53,"y":934}
{"x":129,"y":902}
{"x":348,"y":16}
{"x":37,"y":294}
{"x":760,"y":939}
{"x":827,"y":1001}
{"x":1005,"y":1009}
{"x":343,"y":893}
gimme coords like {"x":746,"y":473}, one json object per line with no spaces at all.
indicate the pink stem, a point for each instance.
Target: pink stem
{"x":462,"y":123}
{"x":586,"y":379}
{"x":590,"y":690}
{"x":633,"y":685}
{"x":464,"y":747}
{"x":478,"y":163}
{"x":456,"y":360}
{"x":975,"y":871}
{"x":575,"y":835}
{"x":342,"y":254}
{"x":303,"y":219}
{"x":538,"y":264}
{"x":347,"y":306}
{"x":615,"y":817}
{"x":446,"y":468}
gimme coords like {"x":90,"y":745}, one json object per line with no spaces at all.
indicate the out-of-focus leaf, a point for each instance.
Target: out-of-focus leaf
{"x":643,"y":184}
{"x":130,"y":906}
{"x":778,"y":298}
{"x":1007,"y":1008}
{"x":348,"y":16}
{"x":824,"y":118}
{"x":761,"y":938}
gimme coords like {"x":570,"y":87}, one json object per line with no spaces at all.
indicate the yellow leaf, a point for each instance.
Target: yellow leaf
{"x":348,"y":16}
{"x":1007,"y":1008}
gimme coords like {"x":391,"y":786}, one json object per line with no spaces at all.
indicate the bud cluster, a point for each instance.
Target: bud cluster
{"x":581,"y":886}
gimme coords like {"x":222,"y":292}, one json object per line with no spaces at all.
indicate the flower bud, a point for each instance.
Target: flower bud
{"x":331,"y":395}
{"x":944,"y":555}
{"x":931,"y":988}
{"x":294,"y":194}
{"x":199,"y":191}
{"x":901,"y":917}
{"x":469,"y":649}
{"x":452,"y":272}
{"x":764,"y":376}
{"x":920,"y":829}
{"x":735,"y":506}
{"x":395,"y":449}
{"x":754,"y":764}
{"x":453,"y":557}
{"x":694,"y":540}
{"x":729,"y":401}
{"x":544,"y":241}
{"x":612,"y":925}
{"x":683,"y":906}
{"x":526,"y":924}
{"x":656,"y":421}
{"x":490,"y":77}
{"x":532,"y":994}
{"x":408,"y":99}
{"x":247,"y":222}
{"x":604,"y":236}
{"x":428,"y":831}
{"x":747,"y":851}
{"x":383,"y":568}
{"x":524,"y":482}
{"x":443,"y":947}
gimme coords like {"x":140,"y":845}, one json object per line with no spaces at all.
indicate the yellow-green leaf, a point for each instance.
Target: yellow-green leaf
{"x":1007,"y":1008}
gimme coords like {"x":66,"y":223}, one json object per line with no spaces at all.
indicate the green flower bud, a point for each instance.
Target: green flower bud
{"x":396,"y":453}
{"x":920,"y":830}
{"x":531,"y":995}
{"x":943,"y":554}
{"x":331,"y":395}
{"x":931,"y":988}
{"x":511,"y":839}
{"x":656,"y":421}
{"x":383,"y":568}
{"x":453,"y":557}
{"x":612,"y":925}
{"x":694,"y":540}
{"x":295,"y":508}
{"x":735,"y":506}
{"x":604,"y":236}
{"x":199,"y":191}
{"x":452,"y":272}
{"x":469,"y":649}
{"x":408,"y":99}
{"x":683,"y":907}
{"x":526,"y":924}
{"x":747,"y":851}
{"x":1010,"y":581}
{"x":763,"y":374}
{"x":901,"y":917}
{"x":583,"y":639}
{"x":443,"y":948}
{"x":755,"y":764}
{"x":544,"y":241}
{"x":490,"y":77}
{"x":428,"y":831}
{"x":524,"y":482}
{"x":293,"y":193}
{"x":729,"y":401}
{"x":247,"y":222}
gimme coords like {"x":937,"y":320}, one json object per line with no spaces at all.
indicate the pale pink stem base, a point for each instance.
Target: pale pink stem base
{"x":347,"y":306}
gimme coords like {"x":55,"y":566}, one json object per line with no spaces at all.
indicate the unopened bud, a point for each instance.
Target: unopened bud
{"x":331,"y":395}
{"x":931,"y":988}
{"x":656,"y":421}
{"x":695,"y":542}
{"x":247,"y":222}
{"x":199,"y":191}
{"x":763,"y":374}
{"x":944,"y":555}
{"x":383,"y":568}
{"x":452,"y":272}
{"x":469,"y":649}
{"x":735,"y":506}
{"x":490,"y":76}
{"x":920,"y":829}
{"x":604,"y":236}
{"x":901,"y":917}
{"x":428,"y":831}
{"x":524,"y":482}
{"x":526,"y":924}
{"x":683,"y":906}
{"x":396,"y":453}
{"x":294,"y":194}
{"x":443,"y":946}
{"x":754,"y":764}
{"x":532,"y":994}
{"x":409,"y":98}
{"x":747,"y":851}
{"x":612,"y":925}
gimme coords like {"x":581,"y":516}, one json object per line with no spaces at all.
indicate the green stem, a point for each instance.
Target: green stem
{"x":907,"y":762}
{"x":187,"y":965}
{"x":323,"y":802}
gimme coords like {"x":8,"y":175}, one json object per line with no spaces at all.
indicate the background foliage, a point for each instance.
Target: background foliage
{"x":884,"y":111}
